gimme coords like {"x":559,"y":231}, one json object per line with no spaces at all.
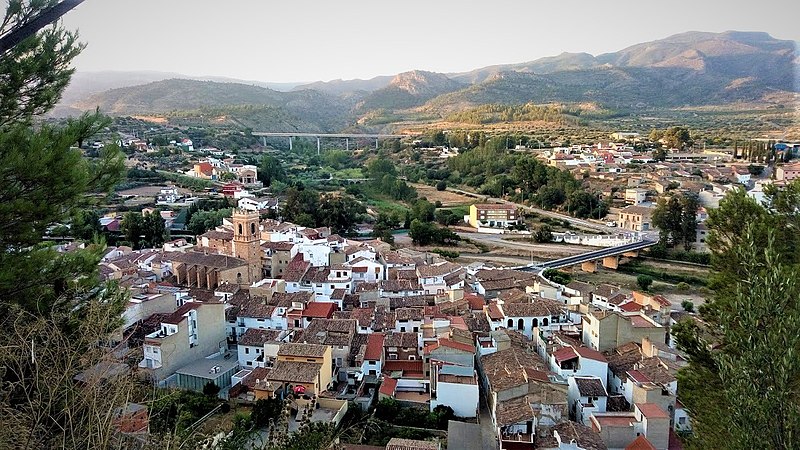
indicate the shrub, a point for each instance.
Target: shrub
{"x":644,"y":281}
{"x":687,"y":305}
{"x":441,"y":186}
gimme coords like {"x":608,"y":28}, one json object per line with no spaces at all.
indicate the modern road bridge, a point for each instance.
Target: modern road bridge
{"x":609,"y":255}
{"x":345,"y":136}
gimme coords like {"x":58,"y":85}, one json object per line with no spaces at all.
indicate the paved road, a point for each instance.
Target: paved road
{"x":497,"y":239}
{"x":601,"y":227}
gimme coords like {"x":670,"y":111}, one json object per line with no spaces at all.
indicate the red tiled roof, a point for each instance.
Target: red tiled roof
{"x":388,"y":386}
{"x":494,"y":312}
{"x":407,"y":367}
{"x":631,"y":307}
{"x":476,"y":302}
{"x":176,"y":317}
{"x":640,"y":443}
{"x":451,"y":344}
{"x":374,"y":347}
{"x":588,"y":353}
{"x":322,"y":310}
{"x":638,"y":377}
{"x":652,"y":411}
{"x":565,"y":354}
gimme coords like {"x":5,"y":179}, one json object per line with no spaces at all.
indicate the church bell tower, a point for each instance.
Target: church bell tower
{"x":247,"y":241}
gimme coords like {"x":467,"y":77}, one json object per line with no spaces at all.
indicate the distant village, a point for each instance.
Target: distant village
{"x":268,"y":309}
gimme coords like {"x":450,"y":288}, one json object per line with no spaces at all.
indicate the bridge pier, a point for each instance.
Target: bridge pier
{"x":347,"y":144}
{"x":290,"y":143}
{"x":589,"y":266}
{"x":264,"y":141}
{"x":632,"y":254}
{"x":611,"y":262}
{"x":318,"y":146}
{"x":376,"y":143}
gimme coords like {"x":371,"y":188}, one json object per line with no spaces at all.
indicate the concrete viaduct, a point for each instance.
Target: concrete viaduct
{"x":345,"y":136}
{"x":588,"y":261}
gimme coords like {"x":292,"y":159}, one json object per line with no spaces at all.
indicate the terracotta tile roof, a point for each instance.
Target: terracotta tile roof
{"x":408,"y":368}
{"x":494,"y":311}
{"x":590,"y":387}
{"x":569,"y":431}
{"x":640,"y":443}
{"x":295,"y":372}
{"x":258,"y":337}
{"x":538,"y":308}
{"x":388,"y":386}
{"x":516,"y":410}
{"x":366,"y":287}
{"x":256,"y":309}
{"x":408,"y":314}
{"x":476,"y":301}
{"x":211,"y":260}
{"x":178,"y":316}
{"x":443,"y":342}
{"x":400,"y":285}
{"x":652,"y":411}
{"x":363,"y":316}
{"x":617,"y":298}
{"x":374,"y":349}
{"x":407,"y":340}
{"x":437,"y":270}
{"x":411,"y":444}
{"x":589,"y":353}
{"x":317,"y":275}
{"x":565,"y":354}
{"x":507,"y":368}
{"x":322,"y":310}
{"x":282,"y":246}
{"x":631,"y":307}
{"x":495,"y":206}
{"x":218,"y":235}
{"x":606,"y":290}
{"x":418,"y":301}
{"x":285,"y":299}
{"x":335,"y":332}
{"x":312,"y":350}
{"x":296,"y":269}
{"x":638,"y":376}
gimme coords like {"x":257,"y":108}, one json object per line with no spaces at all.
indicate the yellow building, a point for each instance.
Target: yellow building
{"x":494,"y":215}
{"x":306,"y":365}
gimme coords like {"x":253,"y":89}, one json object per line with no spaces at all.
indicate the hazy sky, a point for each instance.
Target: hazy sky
{"x":302,"y":40}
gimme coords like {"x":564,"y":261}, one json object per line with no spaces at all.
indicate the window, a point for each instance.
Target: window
{"x":240,"y":230}
{"x":544,"y":322}
{"x":247,"y":350}
{"x":510,"y":323}
{"x":253,"y":229}
{"x":520,"y":324}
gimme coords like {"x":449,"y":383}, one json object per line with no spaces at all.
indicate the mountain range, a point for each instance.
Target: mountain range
{"x":688,"y":69}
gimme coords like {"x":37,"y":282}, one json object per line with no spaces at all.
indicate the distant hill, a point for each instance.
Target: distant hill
{"x":348,"y":87}
{"x":693,"y":68}
{"x":179,"y":95}
{"x":87,"y":83}
{"x":409,"y":89}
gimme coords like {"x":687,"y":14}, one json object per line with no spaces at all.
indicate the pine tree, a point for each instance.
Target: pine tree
{"x":55,"y":317}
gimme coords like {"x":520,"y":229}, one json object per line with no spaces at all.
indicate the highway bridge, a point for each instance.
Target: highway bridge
{"x":609,"y":256}
{"x":346,"y":136}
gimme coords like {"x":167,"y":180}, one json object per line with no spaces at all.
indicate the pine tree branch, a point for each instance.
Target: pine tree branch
{"x":43,"y":19}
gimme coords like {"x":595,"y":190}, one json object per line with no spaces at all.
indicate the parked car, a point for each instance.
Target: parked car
{"x":611,"y":224}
